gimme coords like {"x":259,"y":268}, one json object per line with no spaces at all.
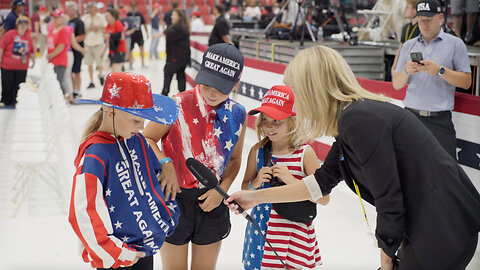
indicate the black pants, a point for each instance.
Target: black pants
{"x":443,"y":130}
{"x":409,"y":262}
{"x":11,"y":80}
{"x":142,"y":264}
{"x":168,"y":71}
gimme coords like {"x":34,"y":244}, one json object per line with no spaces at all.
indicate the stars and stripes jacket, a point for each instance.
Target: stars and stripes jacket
{"x":206,"y":134}
{"x":117,"y":206}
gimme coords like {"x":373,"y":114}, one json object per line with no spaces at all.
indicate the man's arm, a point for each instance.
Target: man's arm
{"x":400,"y":78}
{"x":455,"y":78}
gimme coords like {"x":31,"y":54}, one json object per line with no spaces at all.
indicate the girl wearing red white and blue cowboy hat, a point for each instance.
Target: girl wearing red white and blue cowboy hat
{"x":117,"y":207}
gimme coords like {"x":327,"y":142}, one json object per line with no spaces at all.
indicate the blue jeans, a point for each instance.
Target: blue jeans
{"x":154,"y":44}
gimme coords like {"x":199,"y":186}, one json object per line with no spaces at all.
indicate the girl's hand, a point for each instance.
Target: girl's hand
{"x":283,"y":173}
{"x":139,"y":256}
{"x":211,"y":200}
{"x":168,"y":181}
{"x":263,"y":176}
{"x":247,"y":199}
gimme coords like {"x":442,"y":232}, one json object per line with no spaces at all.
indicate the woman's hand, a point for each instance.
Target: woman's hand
{"x":385,"y":261}
{"x":284,"y":174}
{"x":138,"y":257}
{"x":168,"y":181}
{"x":263,"y":176}
{"x":211,"y":200}
{"x":247,"y":199}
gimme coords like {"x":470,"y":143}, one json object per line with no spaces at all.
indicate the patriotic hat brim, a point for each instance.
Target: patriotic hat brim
{"x":164,"y":110}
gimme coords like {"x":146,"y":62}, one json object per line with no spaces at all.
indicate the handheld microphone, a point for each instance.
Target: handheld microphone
{"x":205,"y":176}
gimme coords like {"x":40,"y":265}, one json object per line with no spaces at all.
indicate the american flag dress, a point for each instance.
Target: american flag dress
{"x":294,"y":242}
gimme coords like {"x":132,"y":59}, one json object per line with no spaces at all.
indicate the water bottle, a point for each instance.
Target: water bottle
{"x":320,"y":34}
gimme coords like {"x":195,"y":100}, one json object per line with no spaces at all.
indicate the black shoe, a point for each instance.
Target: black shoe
{"x":468,"y":39}
{"x":91,"y":85}
{"x":102,"y":80}
{"x":77,"y":95}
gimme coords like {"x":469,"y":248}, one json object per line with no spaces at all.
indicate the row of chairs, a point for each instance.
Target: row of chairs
{"x":41,"y":121}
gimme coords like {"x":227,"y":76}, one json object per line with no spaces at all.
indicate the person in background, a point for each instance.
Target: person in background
{"x":95,"y":24}
{"x":197,"y":23}
{"x":57,"y":44}
{"x":409,"y":30}
{"x":155,"y":24}
{"x":432,"y":82}
{"x":458,"y":9}
{"x":177,"y":37}
{"x":137,"y":36}
{"x":115,"y":36}
{"x":167,"y":17}
{"x":251,"y":11}
{"x":71,"y":9}
{"x":129,"y":29}
{"x":35,"y":28}
{"x":16,"y":49}
{"x":427,"y":207}
{"x":221,"y":29}
{"x":233,"y":14}
{"x":266,"y":18}
{"x":18,"y":8}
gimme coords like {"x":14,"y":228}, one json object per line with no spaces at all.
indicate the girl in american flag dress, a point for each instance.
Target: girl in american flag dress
{"x":211,"y":129}
{"x":295,"y":242}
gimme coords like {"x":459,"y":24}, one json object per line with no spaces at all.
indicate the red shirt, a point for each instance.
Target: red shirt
{"x":55,"y":39}
{"x":117,"y":28}
{"x":16,"y":50}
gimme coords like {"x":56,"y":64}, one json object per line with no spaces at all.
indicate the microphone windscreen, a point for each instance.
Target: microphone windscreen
{"x":203,"y":174}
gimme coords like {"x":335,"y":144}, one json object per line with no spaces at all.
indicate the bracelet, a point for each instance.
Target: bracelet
{"x":405,"y":71}
{"x":250,"y":185}
{"x":165,"y":160}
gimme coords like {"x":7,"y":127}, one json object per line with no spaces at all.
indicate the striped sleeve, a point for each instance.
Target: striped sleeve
{"x":90,"y":220}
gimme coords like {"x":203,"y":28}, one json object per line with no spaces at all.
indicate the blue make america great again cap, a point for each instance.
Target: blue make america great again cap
{"x":221,"y":68}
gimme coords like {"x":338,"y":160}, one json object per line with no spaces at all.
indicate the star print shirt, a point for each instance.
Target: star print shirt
{"x":206,"y":134}
{"x":117,"y":206}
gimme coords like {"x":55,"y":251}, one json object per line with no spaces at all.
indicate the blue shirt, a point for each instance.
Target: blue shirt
{"x":432,"y":92}
{"x":9,"y":23}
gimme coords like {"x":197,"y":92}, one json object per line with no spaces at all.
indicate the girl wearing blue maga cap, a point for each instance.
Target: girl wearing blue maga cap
{"x":117,"y":207}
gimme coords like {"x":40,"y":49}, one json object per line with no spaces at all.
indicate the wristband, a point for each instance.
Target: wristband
{"x":165,"y":160}
{"x":405,"y":71}
{"x":250,"y":185}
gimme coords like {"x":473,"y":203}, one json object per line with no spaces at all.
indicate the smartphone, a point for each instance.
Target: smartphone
{"x":416,"y":57}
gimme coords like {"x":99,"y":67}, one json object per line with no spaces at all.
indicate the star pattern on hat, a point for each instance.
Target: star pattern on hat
{"x":114,"y":91}
{"x":157,"y":109}
{"x":161,"y":120}
{"x":136,"y":105}
{"x":125,"y":238}
{"x":118,"y":225}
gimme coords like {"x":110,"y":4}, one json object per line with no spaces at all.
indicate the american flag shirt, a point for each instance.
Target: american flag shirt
{"x":117,"y":208}
{"x":206,"y":134}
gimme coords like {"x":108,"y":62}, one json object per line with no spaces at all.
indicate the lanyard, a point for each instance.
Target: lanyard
{"x":408,"y":35}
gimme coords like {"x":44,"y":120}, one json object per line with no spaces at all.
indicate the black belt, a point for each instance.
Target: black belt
{"x":428,"y":113}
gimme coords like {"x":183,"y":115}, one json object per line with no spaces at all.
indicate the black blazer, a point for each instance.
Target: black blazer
{"x":420,"y":193}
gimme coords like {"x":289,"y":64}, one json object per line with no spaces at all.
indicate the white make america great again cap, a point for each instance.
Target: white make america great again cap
{"x":221,"y":68}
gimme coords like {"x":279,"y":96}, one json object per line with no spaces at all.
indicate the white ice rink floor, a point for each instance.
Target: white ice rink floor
{"x":40,"y":237}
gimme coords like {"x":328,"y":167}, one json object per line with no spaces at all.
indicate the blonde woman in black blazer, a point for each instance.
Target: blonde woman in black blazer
{"x":424,"y":200}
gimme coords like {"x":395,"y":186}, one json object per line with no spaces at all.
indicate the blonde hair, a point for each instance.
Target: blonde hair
{"x":295,"y":139}
{"x":93,"y":124}
{"x":322,"y":83}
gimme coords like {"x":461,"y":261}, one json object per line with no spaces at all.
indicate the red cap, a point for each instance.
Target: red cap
{"x":43,"y":8}
{"x":123,"y":12}
{"x":58,"y":12}
{"x":277,"y":103}
{"x":264,"y":12}
{"x":196,"y":14}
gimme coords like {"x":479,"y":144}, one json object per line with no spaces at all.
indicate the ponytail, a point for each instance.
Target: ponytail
{"x":93,"y":124}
